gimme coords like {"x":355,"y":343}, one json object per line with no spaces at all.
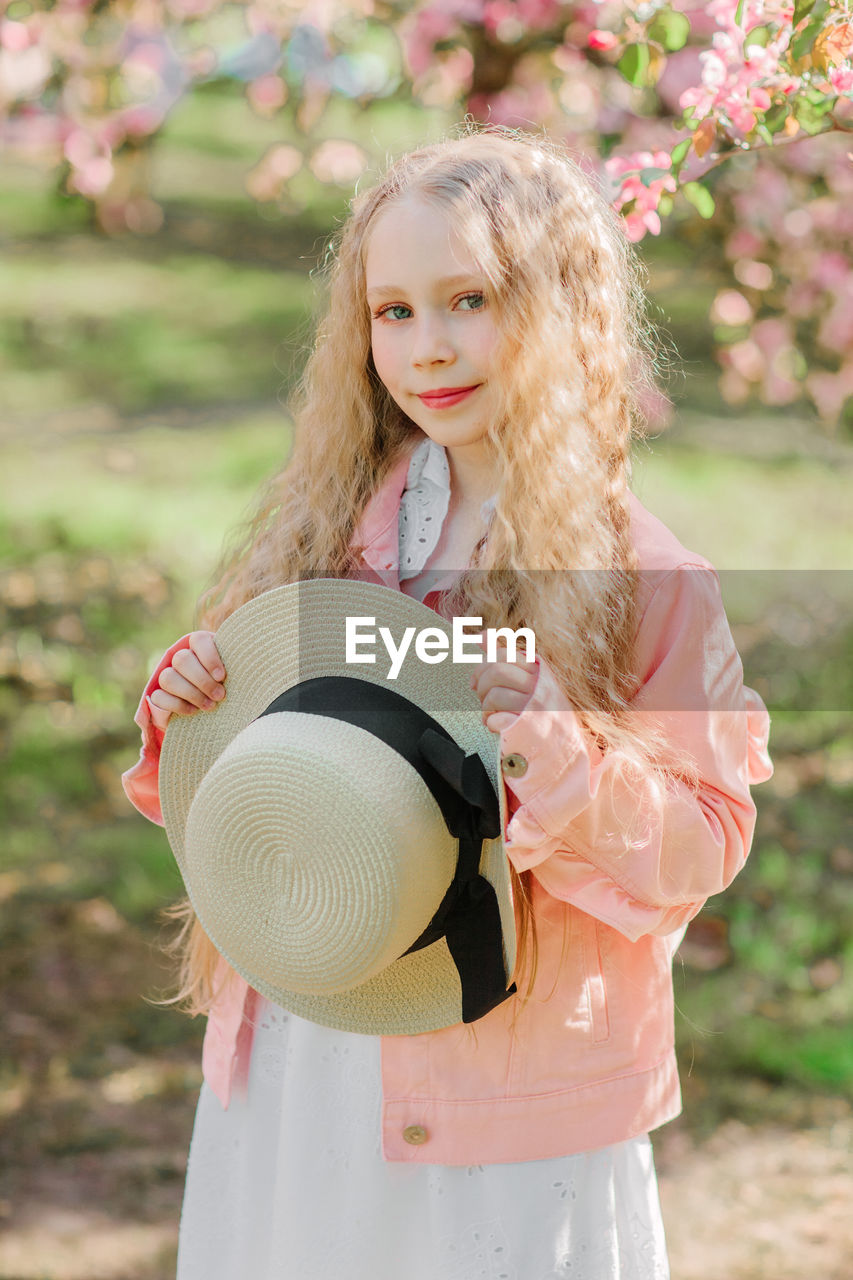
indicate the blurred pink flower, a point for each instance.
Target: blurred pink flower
{"x":137,"y":121}
{"x":730,"y":307}
{"x":93,"y":177}
{"x":538,"y":14}
{"x":745,"y":358}
{"x":836,"y":328}
{"x":602,"y":40}
{"x":744,"y":242}
{"x":774,"y":339}
{"x":266,"y":181}
{"x":517,"y":106}
{"x":420,"y":36}
{"x":841,"y":79}
{"x":755,"y":275}
{"x":830,"y":391}
{"x":831,"y":270}
{"x":338,"y":160}
{"x":683,"y":69}
{"x":267,"y":94}
{"x":449,"y":78}
{"x":14,"y":36}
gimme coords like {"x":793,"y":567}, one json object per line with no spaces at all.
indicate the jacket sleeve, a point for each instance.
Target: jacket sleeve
{"x":140,"y":782}
{"x":635,"y":853}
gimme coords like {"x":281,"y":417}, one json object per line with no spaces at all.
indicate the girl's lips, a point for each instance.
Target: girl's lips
{"x":443,"y":401}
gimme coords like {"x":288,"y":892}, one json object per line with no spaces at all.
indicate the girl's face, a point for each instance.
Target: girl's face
{"x":433,"y":334}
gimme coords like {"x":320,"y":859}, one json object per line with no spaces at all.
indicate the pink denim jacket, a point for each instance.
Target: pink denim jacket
{"x":619,"y":869}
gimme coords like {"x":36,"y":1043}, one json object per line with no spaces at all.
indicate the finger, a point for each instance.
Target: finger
{"x":184,"y":690}
{"x":204,"y":647}
{"x":498,"y":721}
{"x":503,"y":657}
{"x":188,"y":665}
{"x":163,"y":705}
{"x":507,"y":675}
{"x":501,"y":699}
{"x":159,"y":717}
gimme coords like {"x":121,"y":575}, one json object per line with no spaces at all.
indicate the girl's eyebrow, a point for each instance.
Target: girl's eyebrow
{"x":444,"y":282}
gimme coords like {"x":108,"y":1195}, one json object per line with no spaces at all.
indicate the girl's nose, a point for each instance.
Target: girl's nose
{"x":431,"y":344}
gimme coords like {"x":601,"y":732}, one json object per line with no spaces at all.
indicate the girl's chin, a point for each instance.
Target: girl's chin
{"x":444,"y":434}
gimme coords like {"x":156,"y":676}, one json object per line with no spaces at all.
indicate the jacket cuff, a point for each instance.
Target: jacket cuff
{"x":141,"y":782}
{"x":538,"y":748}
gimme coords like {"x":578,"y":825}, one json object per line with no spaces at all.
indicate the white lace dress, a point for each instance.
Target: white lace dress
{"x":290,"y":1184}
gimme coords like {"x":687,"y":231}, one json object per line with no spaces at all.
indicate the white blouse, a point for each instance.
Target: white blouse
{"x":423,"y":510}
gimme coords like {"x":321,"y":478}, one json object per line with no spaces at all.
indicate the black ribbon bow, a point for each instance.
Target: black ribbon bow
{"x":468,"y":916}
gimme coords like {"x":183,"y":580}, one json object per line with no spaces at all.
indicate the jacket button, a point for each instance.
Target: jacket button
{"x":514,"y":766}
{"x":414,"y":1134}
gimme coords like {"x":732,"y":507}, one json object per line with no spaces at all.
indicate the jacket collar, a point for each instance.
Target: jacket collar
{"x":377,"y":531}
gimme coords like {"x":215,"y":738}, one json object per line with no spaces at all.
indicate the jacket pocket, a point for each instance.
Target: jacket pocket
{"x":595,"y":982}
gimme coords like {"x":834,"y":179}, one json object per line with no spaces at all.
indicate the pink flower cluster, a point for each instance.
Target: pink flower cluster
{"x":739,"y":78}
{"x":644,"y":197}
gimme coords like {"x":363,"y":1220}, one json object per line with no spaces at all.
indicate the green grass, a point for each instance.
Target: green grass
{"x":750,"y":513}
{"x":188,"y":330}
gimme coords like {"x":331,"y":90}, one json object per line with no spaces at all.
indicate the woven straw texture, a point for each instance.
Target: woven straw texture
{"x":255,"y":817}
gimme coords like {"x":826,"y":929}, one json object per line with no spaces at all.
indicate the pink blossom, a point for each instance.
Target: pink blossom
{"x":801,"y":298}
{"x":775,"y":342}
{"x":743,"y":243}
{"x":602,"y":40}
{"x":831,"y":270}
{"x":637,"y":224}
{"x":538,"y":14}
{"x":518,"y":15}
{"x":643,"y":215}
{"x":516,"y":106}
{"x":421,"y":35}
{"x":733,"y":86}
{"x":730,"y":307}
{"x":93,"y":177}
{"x":830,"y":391}
{"x":14,"y":36}
{"x":836,"y":328}
{"x":841,"y":79}
{"x":267,"y":94}
{"x":745,"y":358}
{"x":140,"y":120}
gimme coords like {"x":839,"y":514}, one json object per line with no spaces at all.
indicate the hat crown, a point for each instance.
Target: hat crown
{"x":318,"y":896}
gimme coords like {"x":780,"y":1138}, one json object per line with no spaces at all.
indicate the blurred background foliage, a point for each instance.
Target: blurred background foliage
{"x":144,"y":384}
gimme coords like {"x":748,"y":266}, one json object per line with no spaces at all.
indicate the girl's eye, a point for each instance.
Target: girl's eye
{"x":394,"y":306}
{"x":468,"y":302}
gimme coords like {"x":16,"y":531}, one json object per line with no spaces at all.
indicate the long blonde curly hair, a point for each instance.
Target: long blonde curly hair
{"x":578,"y":357}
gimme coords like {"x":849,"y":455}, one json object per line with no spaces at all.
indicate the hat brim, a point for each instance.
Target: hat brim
{"x":295,"y":633}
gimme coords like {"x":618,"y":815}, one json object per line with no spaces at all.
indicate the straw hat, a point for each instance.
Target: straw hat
{"x":340,"y":833}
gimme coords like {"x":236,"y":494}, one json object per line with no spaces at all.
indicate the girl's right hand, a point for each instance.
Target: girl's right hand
{"x":192,"y":683}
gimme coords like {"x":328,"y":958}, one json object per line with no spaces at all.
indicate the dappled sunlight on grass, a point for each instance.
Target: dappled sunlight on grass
{"x":84,"y":1244}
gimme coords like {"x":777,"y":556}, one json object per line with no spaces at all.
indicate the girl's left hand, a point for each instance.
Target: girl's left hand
{"x":504,"y":689}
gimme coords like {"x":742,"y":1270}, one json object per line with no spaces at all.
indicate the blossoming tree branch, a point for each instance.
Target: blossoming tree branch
{"x":733,"y":112}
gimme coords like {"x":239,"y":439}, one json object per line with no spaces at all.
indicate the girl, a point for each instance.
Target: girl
{"x":462,"y":433}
